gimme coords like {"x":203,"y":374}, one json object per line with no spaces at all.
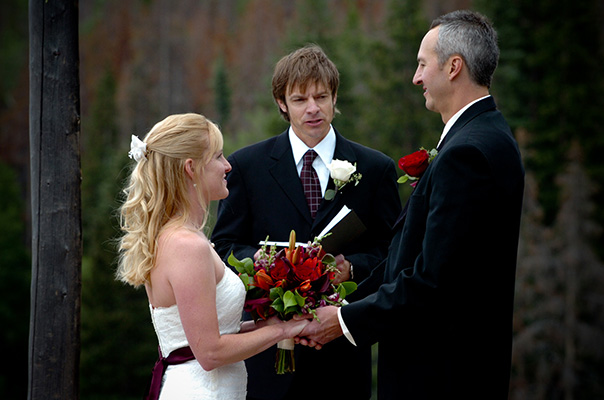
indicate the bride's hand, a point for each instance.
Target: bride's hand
{"x":274,"y":320}
{"x":291,"y":328}
{"x":294,"y":327}
{"x":250,"y":326}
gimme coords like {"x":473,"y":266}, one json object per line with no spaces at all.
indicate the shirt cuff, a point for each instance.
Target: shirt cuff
{"x":344,"y":328}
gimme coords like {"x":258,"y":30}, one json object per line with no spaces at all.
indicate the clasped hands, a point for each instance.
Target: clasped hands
{"x":321,"y":330}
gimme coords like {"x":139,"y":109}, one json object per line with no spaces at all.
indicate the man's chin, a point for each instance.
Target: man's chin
{"x":430,"y":106}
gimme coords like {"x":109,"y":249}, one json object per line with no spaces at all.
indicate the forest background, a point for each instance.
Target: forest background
{"x":141,"y":60}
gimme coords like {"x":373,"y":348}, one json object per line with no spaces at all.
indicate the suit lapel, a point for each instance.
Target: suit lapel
{"x":468,"y":115}
{"x":283,"y":170}
{"x":401,"y":218}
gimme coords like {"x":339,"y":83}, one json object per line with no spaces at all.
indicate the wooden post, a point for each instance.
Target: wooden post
{"x":54,"y":124}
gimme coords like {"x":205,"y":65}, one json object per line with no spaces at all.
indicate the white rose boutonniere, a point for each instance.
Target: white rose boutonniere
{"x":342,"y":172}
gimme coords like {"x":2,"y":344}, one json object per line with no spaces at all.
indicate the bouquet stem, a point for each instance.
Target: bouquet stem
{"x":285,"y":361}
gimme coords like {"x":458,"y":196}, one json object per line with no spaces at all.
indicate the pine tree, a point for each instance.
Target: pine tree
{"x":118,"y":343}
{"x":222,"y":92}
{"x":537,"y":306}
{"x":583,"y":283}
{"x":558,"y":322}
{"x":544,"y":44}
{"x":394,"y":115}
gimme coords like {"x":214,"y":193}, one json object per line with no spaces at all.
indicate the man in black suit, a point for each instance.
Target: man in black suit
{"x":441,"y":303}
{"x":267,"y":199}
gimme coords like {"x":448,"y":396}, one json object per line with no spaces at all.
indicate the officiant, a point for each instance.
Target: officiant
{"x":284,"y":183}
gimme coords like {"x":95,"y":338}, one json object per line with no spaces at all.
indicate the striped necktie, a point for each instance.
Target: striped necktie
{"x":310,"y":182}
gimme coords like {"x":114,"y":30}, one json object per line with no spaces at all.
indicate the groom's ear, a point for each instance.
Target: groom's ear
{"x":455,"y":66}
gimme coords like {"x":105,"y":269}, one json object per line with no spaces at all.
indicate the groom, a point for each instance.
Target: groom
{"x":267,"y":198}
{"x":440,"y":305}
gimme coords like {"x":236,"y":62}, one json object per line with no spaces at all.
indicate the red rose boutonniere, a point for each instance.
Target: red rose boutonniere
{"x":414,"y":165}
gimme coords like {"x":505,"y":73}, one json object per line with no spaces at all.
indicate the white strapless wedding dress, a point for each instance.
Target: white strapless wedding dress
{"x":189,"y":380}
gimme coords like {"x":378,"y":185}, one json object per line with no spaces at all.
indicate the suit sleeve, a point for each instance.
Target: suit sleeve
{"x":444,"y":242}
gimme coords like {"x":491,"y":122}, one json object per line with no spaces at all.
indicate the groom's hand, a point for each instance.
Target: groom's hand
{"x":343,"y":266}
{"x":319,"y":333}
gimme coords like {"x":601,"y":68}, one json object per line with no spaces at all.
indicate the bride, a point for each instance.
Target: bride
{"x":195,"y":301}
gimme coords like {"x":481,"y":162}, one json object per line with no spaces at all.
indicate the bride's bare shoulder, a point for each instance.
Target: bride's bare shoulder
{"x":183,"y":241}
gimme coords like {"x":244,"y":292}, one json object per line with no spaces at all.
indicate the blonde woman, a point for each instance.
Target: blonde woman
{"x":195,"y":301}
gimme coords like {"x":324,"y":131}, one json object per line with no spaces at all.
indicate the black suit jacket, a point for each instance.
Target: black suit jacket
{"x":266,"y":198}
{"x":441,"y":304}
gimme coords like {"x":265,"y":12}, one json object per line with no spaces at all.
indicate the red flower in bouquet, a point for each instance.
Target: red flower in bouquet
{"x":295,"y":280}
{"x":280,"y":270}
{"x":310,"y":269}
{"x":260,"y":306}
{"x":263,"y":280}
{"x":415,"y":164}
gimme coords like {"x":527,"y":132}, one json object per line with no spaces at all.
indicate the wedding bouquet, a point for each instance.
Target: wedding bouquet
{"x":294,"y":280}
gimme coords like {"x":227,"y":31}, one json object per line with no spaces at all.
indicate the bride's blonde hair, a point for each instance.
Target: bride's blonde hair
{"x":156,"y":194}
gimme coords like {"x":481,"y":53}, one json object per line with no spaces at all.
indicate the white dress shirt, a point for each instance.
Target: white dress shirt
{"x":325,"y":150}
{"x":454,"y":118}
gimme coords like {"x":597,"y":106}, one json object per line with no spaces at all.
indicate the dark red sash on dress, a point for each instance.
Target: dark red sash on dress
{"x":178,"y":356}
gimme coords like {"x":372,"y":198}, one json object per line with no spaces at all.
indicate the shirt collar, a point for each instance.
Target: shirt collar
{"x":325,"y":149}
{"x":455,"y":117}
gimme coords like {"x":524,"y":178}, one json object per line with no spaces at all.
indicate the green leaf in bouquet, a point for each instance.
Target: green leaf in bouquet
{"x":248,"y":265}
{"x":346,"y":288}
{"x":276,"y":293}
{"x":329,"y":259}
{"x":300,"y":299}
{"x":278,"y":305}
{"x":245,"y":266}
{"x":289,"y":300}
{"x":247,"y":280}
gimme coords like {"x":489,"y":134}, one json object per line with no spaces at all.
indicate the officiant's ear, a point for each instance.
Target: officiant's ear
{"x":282,"y":105}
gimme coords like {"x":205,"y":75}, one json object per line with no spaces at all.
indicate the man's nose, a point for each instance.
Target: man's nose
{"x":312,"y":106}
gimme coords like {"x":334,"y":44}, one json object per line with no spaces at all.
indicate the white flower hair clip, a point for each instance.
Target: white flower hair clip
{"x":138,"y":149}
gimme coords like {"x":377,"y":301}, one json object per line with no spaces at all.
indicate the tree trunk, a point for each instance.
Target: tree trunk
{"x":54,"y":123}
